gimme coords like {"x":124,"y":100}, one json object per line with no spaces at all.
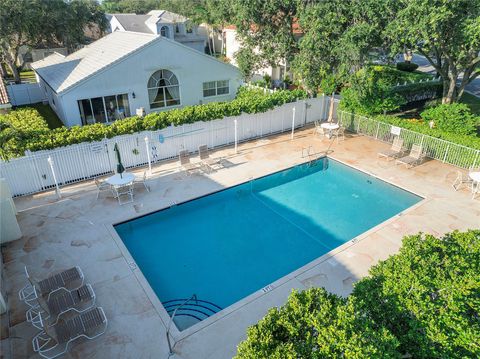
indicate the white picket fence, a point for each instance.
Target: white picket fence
{"x":35,"y":173}
{"x":25,"y":94}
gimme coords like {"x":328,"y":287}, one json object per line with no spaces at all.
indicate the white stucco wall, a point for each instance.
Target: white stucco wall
{"x":131,"y":75}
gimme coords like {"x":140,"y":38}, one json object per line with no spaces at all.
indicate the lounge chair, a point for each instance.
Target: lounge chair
{"x":71,"y":278}
{"x":53,"y":341}
{"x":208,"y":161}
{"x":142,"y":180}
{"x":102,"y":187}
{"x":414,"y":158}
{"x":184,"y":159}
{"x":61,"y":301}
{"x":395,"y":151}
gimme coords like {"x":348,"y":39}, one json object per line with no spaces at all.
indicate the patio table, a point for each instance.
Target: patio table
{"x":330,"y":127}
{"x":475,"y":177}
{"x":117,"y":181}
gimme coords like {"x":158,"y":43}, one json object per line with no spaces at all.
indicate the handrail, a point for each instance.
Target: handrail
{"x":170,"y":347}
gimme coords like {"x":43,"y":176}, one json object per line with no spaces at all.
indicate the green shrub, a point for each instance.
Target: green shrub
{"x":20,"y":139}
{"x":316,"y":324}
{"x":407,"y":66}
{"x":428,"y":295}
{"x":455,"y":118}
{"x":423,"y":302}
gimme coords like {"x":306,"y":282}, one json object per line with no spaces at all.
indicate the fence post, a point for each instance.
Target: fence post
{"x":446,"y":152}
{"x":293,"y":122}
{"x":50,"y":162}
{"x":421,"y":142}
{"x":378,"y":128}
{"x":476,"y":158}
{"x":236,"y":135}
{"x":148,"y":156}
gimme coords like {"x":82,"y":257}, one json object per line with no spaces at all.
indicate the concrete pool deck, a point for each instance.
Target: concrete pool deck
{"x":76,"y":230}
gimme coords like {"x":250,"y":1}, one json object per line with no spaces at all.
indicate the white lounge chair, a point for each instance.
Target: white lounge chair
{"x":339,"y":134}
{"x":71,"y":278}
{"x":461,"y":179}
{"x":60,"y":301}
{"x":395,"y":151}
{"x":185,"y":163}
{"x":414,"y":158}
{"x":208,"y":161}
{"x":53,"y":341}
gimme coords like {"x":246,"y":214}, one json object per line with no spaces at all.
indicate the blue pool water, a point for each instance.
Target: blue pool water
{"x":227,"y":245}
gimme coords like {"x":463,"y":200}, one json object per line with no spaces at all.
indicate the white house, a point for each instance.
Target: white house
{"x":160,"y":22}
{"x":125,"y":71}
{"x":233,"y":45}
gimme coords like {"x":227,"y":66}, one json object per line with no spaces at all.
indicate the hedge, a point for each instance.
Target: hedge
{"x":17,"y":139}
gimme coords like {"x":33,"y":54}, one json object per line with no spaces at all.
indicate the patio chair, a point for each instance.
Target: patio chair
{"x":414,"y":158}
{"x":184,"y":159}
{"x":339,"y":134}
{"x":71,"y":278}
{"x":102,"y":186}
{"x":61,"y":301}
{"x":124,"y":191}
{"x":53,"y":341}
{"x":395,"y":151}
{"x":461,"y":179}
{"x":142,"y":180}
{"x":208,"y":161}
{"x":318,"y":129}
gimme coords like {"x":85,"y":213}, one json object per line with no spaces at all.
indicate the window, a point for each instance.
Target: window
{"x":177,"y":29}
{"x":164,"y":31}
{"x":104,"y":109}
{"x":216,"y":88}
{"x":163,"y":89}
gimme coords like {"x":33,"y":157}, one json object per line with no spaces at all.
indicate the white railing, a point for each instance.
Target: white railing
{"x":35,"y":173}
{"x":436,"y":148}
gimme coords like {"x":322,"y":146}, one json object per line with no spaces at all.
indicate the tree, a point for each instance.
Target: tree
{"x":447,"y":34}
{"x":423,"y":302}
{"x":44,"y":22}
{"x":338,"y":36}
{"x":316,"y":324}
{"x":266,"y":27}
{"x":183,"y":7}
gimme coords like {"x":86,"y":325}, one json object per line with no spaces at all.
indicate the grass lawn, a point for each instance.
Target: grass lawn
{"x":27,"y":76}
{"x":472,"y":101}
{"x":47,"y":113}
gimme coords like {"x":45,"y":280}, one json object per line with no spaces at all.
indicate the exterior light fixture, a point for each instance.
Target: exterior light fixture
{"x":133,"y":94}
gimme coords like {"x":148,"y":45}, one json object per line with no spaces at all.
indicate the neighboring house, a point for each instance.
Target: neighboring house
{"x":160,"y":22}
{"x":4,"y":100}
{"x":28,"y":55}
{"x":233,"y":45}
{"x":125,"y":71}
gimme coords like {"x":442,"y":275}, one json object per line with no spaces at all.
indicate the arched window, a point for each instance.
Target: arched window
{"x":164,"y":31}
{"x":163,"y":89}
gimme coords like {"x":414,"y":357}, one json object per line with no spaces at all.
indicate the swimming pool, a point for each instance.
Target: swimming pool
{"x":227,"y":245}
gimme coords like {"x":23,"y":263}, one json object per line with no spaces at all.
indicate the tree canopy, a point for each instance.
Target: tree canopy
{"x":36,"y":23}
{"x":423,"y":302}
{"x":447,"y":33}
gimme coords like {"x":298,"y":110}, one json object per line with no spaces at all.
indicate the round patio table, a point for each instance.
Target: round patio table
{"x":117,"y":181}
{"x":475,"y":177}
{"x":330,"y":127}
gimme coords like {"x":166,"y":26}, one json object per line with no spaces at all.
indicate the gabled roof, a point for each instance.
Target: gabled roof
{"x":165,"y":16}
{"x":63,"y":72}
{"x":132,"y":22}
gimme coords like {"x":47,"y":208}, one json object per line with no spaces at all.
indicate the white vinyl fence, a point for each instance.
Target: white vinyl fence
{"x":35,"y":173}
{"x":436,"y":148}
{"x":25,"y":94}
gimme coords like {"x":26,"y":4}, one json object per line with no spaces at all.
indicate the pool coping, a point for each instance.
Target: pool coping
{"x":177,"y":334}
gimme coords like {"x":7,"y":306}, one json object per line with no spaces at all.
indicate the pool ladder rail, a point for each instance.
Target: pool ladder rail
{"x":313,"y":156}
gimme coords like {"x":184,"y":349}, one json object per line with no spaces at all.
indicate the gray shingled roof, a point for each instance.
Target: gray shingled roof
{"x":61,"y":73}
{"x":132,"y":22}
